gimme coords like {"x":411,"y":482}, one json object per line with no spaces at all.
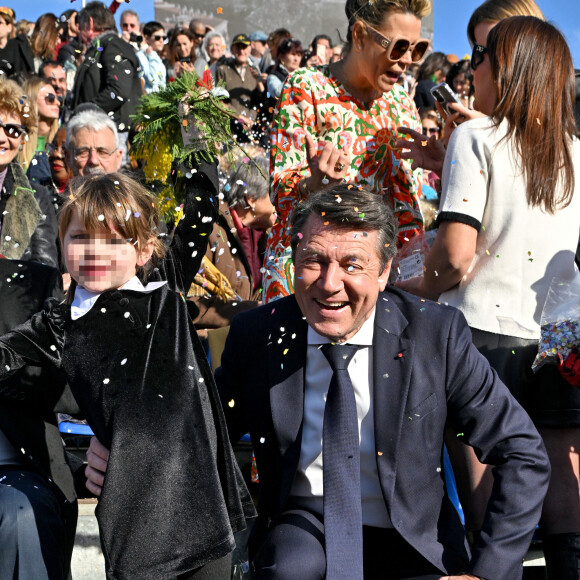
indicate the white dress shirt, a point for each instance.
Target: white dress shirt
{"x":307,"y":489}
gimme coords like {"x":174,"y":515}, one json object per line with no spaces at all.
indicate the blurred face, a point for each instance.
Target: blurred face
{"x":58,"y":167}
{"x":184,"y":46}
{"x":263,"y":213}
{"x":337,"y":278}
{"x":198,"y":34}
{"x":376,"y":72}
{"x":5,"y":29}
{"x":11,"y":138}
{"x":99,"y":260}
{"x":93,"y":152}
{"x":461,"y":85}
{"x":241,"y":52}
{"x":57,"y":78}
{"x":485,"y":97}
{"x":430,"y":128}
{"x":129,"y":23}
{"x":258,"y":47}
{"x":157,"y":40}
{"x":72,"y":25}
{"x":328,"y":51}
{"x":291,"y":60}
{"x":48,"y":103}
{"x":215,"y":48}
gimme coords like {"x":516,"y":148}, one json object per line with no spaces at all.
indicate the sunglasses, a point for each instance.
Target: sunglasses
{"x":12,"y":130}
{"x":198,"y":35}
{"x":477,"y":55}
{"x":397,"y":48}
{"x":50,"y":99}
{"x":159,"y":37}
{"x":430,"y":130}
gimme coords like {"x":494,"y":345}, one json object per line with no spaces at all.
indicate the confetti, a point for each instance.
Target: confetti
{"x":219,"y":10}
{"x":106,"y":381}
{"x":101,"y":217}
{"x":123,"y":362}
{"x":231,"y":404}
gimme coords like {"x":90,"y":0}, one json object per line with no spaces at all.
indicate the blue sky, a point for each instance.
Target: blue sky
{"x":451,"y":17}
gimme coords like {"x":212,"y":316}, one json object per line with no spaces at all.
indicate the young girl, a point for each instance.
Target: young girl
{"x":173,"y":494}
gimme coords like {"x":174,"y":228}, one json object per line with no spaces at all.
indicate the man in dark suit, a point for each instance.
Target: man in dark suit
{"x":38,"y":506}
{"x":415,"y":370}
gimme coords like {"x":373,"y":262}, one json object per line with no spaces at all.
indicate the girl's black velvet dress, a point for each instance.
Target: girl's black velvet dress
{"x":173,"y":493}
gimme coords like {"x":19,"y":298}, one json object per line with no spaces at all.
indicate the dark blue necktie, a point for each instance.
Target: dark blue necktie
{"x":341,"y":471}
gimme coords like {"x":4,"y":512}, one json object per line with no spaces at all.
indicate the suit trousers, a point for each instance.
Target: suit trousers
{"x":294,"y":548}
{"x":36,"y":532}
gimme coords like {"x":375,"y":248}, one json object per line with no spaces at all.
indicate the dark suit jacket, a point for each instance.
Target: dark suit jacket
{"x":426,"y":374}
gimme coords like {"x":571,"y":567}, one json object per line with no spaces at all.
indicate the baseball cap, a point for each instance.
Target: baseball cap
{"x":241,"y":39}
{"x":258,"y":36}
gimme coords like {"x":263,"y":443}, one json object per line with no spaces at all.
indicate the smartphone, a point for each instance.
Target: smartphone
{"x":185,"y":59}
{"x":444,"y":95}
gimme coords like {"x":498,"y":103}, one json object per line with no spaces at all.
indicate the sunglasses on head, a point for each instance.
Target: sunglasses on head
{"x":477,"y":55}
{"x":398,"y":47}
{"x":159,"y":37}
{"x":50,"y":99}
{"x":13,"y":130}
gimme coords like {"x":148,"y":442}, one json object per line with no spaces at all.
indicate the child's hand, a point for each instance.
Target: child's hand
{"x":97,"y":458}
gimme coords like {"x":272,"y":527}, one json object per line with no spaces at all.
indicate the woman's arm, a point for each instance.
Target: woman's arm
{"x":447,"y":262}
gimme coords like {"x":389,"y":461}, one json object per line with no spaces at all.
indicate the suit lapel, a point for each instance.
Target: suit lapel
{"x":392,"y":365}
{"x":286,"y":362}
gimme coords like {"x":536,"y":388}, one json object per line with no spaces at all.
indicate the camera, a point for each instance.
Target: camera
{"x":137,"y":38}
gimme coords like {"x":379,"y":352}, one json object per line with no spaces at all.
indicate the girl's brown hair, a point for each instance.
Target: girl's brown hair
{"x":534,"y":76}
{"x":45,"y":36}
{"x":115,"y":201}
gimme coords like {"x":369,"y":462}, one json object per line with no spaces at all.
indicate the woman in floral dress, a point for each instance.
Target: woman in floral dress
{"x":338,"y":122}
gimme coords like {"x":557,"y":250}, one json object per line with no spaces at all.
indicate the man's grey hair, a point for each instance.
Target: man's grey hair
{"x":91,"y":120}
{"x":246,"y":179}
{"x":210,"y":36}
{"x":129,"y":12}
{"x":349,"y":207}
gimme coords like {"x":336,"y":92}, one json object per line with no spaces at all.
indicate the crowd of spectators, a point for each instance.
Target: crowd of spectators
{"x":314,"y":116}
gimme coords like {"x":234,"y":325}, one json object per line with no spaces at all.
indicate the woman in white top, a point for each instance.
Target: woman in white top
{"x":509,"y":222}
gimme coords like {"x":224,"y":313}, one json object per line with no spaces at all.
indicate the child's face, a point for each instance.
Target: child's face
{"x":100,"y":260}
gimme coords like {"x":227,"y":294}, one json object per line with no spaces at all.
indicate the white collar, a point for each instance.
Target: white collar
{"x":84,"y":299}
{"x":363,"y":337}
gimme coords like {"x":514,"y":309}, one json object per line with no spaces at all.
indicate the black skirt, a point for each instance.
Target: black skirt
{"x":548,"y":398}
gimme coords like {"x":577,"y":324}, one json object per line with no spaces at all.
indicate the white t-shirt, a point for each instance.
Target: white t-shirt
{"x":519,"y":248}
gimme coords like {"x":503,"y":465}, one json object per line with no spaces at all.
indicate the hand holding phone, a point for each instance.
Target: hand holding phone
{"x":444,"y":95}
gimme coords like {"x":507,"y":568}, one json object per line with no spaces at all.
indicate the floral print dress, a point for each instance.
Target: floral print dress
{"x":314,"y":101}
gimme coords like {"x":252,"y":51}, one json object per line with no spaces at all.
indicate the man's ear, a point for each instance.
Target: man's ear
{"x":384,"y":277}
{"x":145,"y":252}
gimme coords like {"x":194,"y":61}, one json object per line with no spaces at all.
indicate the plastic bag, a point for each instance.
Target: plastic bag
{"x":560,"y":329}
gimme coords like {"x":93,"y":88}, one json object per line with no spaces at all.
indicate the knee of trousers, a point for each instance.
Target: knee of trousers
{"x":15,"y":508}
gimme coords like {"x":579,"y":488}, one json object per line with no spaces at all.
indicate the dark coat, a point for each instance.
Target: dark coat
{"x":426,"y":373}
{"x":173,"y":493}
{"x":29,"y":226}
{"x":109,"y":78}
{"x":17,"y":57}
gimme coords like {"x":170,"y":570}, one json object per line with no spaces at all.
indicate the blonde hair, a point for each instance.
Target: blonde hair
{"x":114,"y":200}
{"x":31,"y":87}
{"x":14,"y":103}
{"x":498,"y":10}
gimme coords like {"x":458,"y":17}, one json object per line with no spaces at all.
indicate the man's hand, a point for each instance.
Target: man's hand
{"x":97,"y":458}
{"x":428,"y":153}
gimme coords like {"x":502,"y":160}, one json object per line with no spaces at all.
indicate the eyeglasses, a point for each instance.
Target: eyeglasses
{"x":397,"y":48}
{"x":83,"y":153}
{"x":52,"y":149}
{"x":12,"y":130}
{"x":159,"y":37}
{"x":51,"y":98}
{"x":477,"y":55}
{"x":129,"y":25}
{"x":430,"y":130}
